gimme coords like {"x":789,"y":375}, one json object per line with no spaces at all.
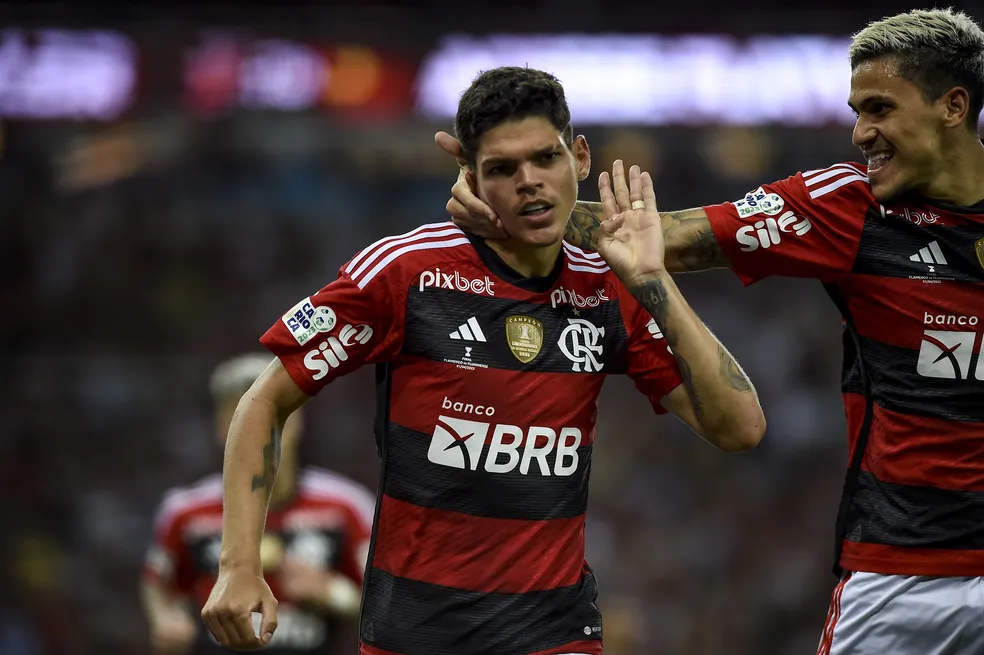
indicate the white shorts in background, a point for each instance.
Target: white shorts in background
{"x":876,"y":614}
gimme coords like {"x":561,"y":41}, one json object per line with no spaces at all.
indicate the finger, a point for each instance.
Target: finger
{"x":608,"y":204}
{"x":239,"y":627}
{"x":269,"y":623}
{"x":464,"y":192}
{"x":610,"y":226}
{"x":649,"y":193}
{"x":620,"y":187}
{"x":635,"y":185}
{"x":450,"y":145}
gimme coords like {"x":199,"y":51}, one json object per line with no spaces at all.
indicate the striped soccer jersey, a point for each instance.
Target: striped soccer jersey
{"x":908,"y":278}
{"x":487,"y":395}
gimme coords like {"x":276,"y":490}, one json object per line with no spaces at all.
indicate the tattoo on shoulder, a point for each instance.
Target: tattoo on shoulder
{"x":271,"y":461}
{"x":583,"y":226}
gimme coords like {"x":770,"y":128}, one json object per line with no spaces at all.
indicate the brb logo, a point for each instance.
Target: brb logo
{"x":455,"y":281}
{"x":561,"y":296}
{"x":460,"y":444}
{"x":947,"y":353}
{"x":768,"y":232}
{"x":331,"y":353}
{"x":581,"y":343}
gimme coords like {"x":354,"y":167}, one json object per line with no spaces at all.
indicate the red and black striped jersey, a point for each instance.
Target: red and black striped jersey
{"x":908,"y":278}
{"x":327,"y":523}
{"x":488,"y":393}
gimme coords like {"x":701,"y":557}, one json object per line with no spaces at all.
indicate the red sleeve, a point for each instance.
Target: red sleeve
{"x":807,"y":225}
{"x":343,"y":326}
{"x":650,"y":364}
{"x":166,"y":562}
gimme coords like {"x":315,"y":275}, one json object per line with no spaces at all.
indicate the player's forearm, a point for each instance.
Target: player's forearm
{"x":252,"y":457}
{"x":689,"y":240}
{"x":722,"y":397}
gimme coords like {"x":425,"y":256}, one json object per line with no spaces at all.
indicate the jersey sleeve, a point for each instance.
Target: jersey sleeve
{"x":166,"y":562}
{"x":805,"y":226}
{"x":649,"y":363}
{"x":349,"y":323}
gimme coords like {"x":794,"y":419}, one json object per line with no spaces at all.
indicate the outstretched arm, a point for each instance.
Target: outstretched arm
{"x":687,"y":234}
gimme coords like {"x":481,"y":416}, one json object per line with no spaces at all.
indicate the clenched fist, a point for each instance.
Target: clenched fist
{"x":228,"y":614}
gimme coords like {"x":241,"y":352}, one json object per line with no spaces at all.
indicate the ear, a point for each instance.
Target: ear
{"x":582,"y":157}
{"x":955,"y":105}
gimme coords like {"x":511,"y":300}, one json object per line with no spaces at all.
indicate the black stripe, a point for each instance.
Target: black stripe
{"x":413,"y":478}
{"x":434,"y":314}
{"x":916,"y":517}
{"x":853,"y":360}
{"x":888,"y":242}
{"x":417,"y":618}
{"x":897,"y":385}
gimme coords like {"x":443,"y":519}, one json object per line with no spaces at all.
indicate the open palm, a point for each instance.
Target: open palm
{"x":631,"y":241}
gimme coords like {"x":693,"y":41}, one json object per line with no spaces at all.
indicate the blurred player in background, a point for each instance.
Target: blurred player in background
{"x":313,"y":551}
{"x":491,"y":360}
{"x":899,"y":246}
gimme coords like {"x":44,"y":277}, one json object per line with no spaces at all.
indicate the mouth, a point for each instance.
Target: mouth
{"x":536,"y":210}
{"x":878,"y":160}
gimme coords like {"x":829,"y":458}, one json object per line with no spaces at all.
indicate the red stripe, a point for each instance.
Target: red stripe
{"x":366,"y":649}
{"x":833,"y":615}
{"x":373,"y":251}
{"x":478,"y":554}
{"x":892,"y":560}
{"x":925,"y":451}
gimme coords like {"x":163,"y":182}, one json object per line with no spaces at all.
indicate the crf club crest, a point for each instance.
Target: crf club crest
{"x":979,"y":249}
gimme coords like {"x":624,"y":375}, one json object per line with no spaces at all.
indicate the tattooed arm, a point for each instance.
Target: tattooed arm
{"x":252,"y":457}
{"x":716,"y":398}
{"x":690,"y":242}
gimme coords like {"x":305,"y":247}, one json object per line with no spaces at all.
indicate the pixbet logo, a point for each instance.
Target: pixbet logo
{"x":768,"y":232}
{"x":332,"y":351}
{"x":454,"y":280}
{"x":561,"y":296}
{"x":461,"y":444}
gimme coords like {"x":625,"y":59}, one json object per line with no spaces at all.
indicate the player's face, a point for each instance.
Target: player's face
{"x":528,"y":176}
{"x":897,"y":130}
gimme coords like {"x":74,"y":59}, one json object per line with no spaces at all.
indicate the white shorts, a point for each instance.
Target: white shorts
{"x":876,"y":614}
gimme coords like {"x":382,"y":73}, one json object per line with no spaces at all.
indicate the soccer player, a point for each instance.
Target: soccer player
{"x":313,"y":551}
{"x":899,"y":245}
{"x":490,"y":360}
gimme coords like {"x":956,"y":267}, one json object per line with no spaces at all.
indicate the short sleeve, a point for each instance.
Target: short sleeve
{"x":649,"y":363}
{"x":808,"y":225}
{"x":342,"y":327}
{"x":166,"y":562}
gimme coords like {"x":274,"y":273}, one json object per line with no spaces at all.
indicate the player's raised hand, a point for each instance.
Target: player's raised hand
{"x":228,"y":614}
{"x":632,"y":233}
{"x":467,"y":210}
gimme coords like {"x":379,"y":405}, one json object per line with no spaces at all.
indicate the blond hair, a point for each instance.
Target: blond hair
{"x":936,"y":49}
{"x":233,"y":377}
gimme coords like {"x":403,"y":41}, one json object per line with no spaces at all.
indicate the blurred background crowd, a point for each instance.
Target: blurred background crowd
{"x":172,"y":181}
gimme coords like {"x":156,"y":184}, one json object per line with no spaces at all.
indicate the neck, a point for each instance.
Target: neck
{"x":286,"y":484}
{"x":961,"y":182}
{"x":528,"y":261}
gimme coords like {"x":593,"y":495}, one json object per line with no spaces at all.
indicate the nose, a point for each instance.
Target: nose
{"x":864,"y":132}
{"x":527,"y":179}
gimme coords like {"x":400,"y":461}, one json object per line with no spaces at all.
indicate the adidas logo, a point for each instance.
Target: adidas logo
{"x":931,"y":254}
{"x":470,"y":330}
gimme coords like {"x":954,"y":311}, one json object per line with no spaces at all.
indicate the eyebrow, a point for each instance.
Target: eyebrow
{"x":495,"y":161}
{"x":868,"y":100}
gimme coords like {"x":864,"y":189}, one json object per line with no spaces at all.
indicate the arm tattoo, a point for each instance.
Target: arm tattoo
{"x":689,"y":234}
{"x":731,"y":372}
{"x":583,"y":226}
{"x":271,"y":461}
{"x":653,"y":296}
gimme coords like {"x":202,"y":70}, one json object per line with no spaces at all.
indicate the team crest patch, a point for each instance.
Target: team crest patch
{"x":525,"y":337}
{"x":979,"y":249}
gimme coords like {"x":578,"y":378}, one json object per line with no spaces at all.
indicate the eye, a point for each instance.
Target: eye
{"x":879,"y":108}
{"x":550,"y":156}
{"x":495,"y":170}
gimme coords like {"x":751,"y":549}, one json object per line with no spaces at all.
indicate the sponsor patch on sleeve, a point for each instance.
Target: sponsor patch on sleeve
{"x":304,"y":320}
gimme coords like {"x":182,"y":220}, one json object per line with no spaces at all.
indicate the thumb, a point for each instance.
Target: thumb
{"x":268,"y":608}
{"x":450,"y":145}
